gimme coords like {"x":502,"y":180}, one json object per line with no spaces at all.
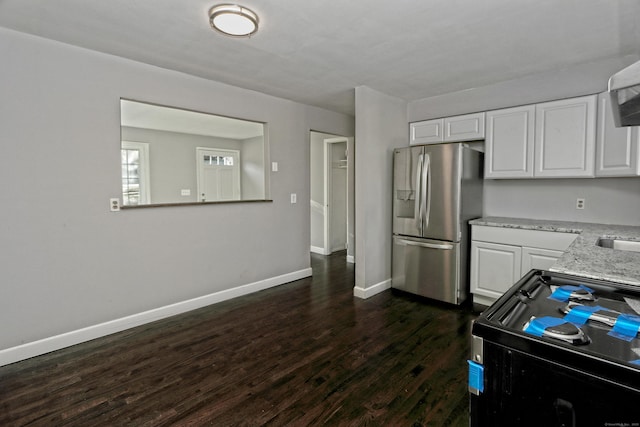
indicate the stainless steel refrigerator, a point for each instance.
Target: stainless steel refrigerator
{"x":437,"y":189}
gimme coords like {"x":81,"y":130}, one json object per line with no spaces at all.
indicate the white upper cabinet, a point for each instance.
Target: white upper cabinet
{"x":509,"y":143}
{"x":450,"y":129}
{"x":464,"y":128}
{"x":565,"y":138}
{"x":617,"y":149}
{"x":426,"y":132}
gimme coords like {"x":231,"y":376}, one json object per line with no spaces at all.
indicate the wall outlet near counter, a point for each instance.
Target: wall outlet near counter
{"x":579,"y":203}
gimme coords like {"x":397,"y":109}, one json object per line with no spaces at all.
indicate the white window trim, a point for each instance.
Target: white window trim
{"x":145,"y":180}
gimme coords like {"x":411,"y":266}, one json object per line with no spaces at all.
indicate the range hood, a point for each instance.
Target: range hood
{"x":624,"y":89}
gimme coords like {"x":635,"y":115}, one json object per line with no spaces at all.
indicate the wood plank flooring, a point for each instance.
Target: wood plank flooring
{"x":302,"y":354}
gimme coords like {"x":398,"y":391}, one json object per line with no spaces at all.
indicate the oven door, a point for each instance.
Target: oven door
{"x":523,"y":390}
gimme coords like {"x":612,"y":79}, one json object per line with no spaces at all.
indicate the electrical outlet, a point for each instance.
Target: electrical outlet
{"x":579,"y":203}
{"x":114,"y":204}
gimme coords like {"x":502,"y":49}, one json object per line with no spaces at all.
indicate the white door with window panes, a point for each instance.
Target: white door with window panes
{"x":218,"y":174}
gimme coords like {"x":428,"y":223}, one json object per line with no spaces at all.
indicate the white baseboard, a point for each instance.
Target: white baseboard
{"x":319,"y":250}
{"x":482,"y":300}
{"x":370,"y":291}
{"x":46,"y":345}
{"x":351,"y":259}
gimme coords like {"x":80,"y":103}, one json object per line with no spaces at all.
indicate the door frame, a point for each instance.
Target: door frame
{"x":328,"y":189}
{"x":237,"y":170}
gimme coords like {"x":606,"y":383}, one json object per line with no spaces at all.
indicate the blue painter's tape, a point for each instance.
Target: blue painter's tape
{"x":537,"y":326}
{"x":476,"y":375}
{"x":635,"y":362}
{"x":580,"y":314}
{"x":626,"y":327}
{"x":562,"y":293}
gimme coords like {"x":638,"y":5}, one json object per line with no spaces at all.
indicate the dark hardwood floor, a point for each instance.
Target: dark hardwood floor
{"x":304,"y":353}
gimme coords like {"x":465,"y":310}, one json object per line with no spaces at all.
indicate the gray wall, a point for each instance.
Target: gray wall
{"x":253,"y":164}
{"x":67,"y":261}
{"x":608,"y":200}
{"x":568,"y":82}
{"x":381,"y":126}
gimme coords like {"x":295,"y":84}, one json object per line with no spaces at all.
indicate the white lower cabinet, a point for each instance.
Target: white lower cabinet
{"x":501,"y":256}
{"x":494,"y":268}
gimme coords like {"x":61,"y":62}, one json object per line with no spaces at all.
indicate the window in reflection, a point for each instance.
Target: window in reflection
{"x":218,"y":160}
{"x":135,"y":166}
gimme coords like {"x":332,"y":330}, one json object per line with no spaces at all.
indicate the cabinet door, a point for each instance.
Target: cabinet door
{"x":464,"y":128}
{"x":537,"y":258}
{"x":494,"y":268}
{"x":617,"y":152}
{"x":426,"y":132}
{"x":565,"y":138}
{"x":509,"y":143}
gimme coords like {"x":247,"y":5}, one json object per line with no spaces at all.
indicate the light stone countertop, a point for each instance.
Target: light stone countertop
{"x":584,"y":258}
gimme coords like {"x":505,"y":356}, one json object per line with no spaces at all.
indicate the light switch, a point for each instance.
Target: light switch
{"x":274,"y":166}
{"x":294,"y":198}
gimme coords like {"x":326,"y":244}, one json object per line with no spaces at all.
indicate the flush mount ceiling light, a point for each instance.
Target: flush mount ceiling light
{"x":233,"y":20}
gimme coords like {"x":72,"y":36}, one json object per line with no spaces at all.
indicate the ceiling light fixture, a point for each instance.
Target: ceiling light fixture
{"x":233,"y":20}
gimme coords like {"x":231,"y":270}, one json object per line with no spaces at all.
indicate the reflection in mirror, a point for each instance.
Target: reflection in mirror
{"x":170,"y":156}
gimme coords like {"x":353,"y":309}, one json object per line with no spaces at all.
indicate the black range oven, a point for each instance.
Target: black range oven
{"x":557,"y":350}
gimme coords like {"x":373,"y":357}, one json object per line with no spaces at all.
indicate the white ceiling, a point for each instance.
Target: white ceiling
{"x":316,"y":52}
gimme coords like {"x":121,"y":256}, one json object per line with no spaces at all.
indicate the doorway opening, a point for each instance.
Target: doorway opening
{"x":332,"y":194}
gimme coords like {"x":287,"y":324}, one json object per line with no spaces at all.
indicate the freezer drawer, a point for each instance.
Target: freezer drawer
{"x":430,"y":268}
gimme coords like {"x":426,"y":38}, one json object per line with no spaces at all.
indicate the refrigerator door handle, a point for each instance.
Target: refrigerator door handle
{"x":426,"y":171}
{"x":418,"y":198}
{"x":425,"y":245}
